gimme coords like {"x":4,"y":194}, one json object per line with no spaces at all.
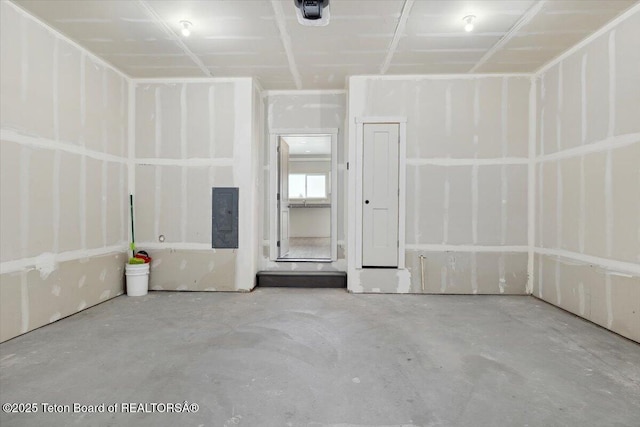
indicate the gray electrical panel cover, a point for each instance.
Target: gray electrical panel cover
{"x":224,"y":225}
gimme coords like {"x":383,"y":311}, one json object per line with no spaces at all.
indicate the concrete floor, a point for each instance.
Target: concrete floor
{"x":323,"y":357}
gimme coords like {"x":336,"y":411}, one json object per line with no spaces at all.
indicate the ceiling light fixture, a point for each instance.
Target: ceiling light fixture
{"x":468,"y":27}
{"x":186,"y":28}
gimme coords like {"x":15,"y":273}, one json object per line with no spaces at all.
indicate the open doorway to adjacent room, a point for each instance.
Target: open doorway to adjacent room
{"x":304,"y":206}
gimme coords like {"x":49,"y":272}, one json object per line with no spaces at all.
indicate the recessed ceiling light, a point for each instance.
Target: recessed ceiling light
{"x":468,"y":27}
{"x":307,"y":151}
{"x":186,"y":28}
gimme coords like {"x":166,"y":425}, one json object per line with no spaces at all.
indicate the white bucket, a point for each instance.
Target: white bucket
{"x":137,"y":279}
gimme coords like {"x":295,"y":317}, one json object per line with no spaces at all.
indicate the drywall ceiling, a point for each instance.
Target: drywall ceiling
{"x":233,"y":38}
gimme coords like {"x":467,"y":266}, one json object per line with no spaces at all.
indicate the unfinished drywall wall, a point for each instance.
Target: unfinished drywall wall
{"x":588,"y":179}
{"x":63,"y":176}
{"x":190,"y":136}
{"x":299,"y":111}
{"x":467,"y":161}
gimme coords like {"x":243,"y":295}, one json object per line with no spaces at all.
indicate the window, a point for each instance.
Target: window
{"x":307,"y":186}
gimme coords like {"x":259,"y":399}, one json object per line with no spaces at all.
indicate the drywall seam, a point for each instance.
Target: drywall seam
{"x":131,"y":143}
{"x":399,"y":32}
{"x":466,"y":248}
{"x":526,"y":18}
{"x":32,"y":262}
{"x":160,"y":22}
{"x":606,"y":263}
{"x":211,"y":100}
{"x":559,"y":200}
{"x":445,"y":210}
{"x":83,"y":202}
{"x":448,"y":161}
{"x":610,"y":143}
{"x":193,"y":162}
{"x":183,"y":154}
{"x":612,"y":24}
{"x":103,"y":201}
{"x":25,"y":160}
{"x":608,"y":203}
{"x":301,"y":92}
{"x":176,"y":80}
{"x":612,"y":83}
{"x":559,"y":109}
{"x":474,"y":204}
{"x":24,"y":61}
{"x":176,"y":246}
{"x":420,"y":77}
{"x":157,"y":200}
{"x":61,"y":36}
{"x":531,"y":186}
{"x":583,"y":99}
{"x":55,"y":214}
{"x":83,"y":94}
{"x":49,"y":144}
{"x":24,"y":303}
{"x":55,"y":71}
{"x":582,"y":219}
{"x":286,"y":42}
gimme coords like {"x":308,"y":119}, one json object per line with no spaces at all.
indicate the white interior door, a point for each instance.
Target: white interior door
{"x":380,"y":195}
{"x":283,"y":200}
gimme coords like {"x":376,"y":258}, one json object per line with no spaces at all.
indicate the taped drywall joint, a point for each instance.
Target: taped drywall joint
{"x":583,"y":99}
{"x":286,"y":42}
{"x":608,"y":197}
{"x":184,"y":204}
{"x":55,"y":71}
{"x":24,"y":303}
{"x":83,"y":95}
{"x":467,"y":248}
{"x":474,"y":204}
{"x":557,"y":283}
{"x":504,"y":191}
{"x":476,"y":114}
{"x":559,"y":201}
{"x":528,"y":16}
{"x":397,"y":34}
{"x":83,"y":202}
{"x":55,"y":214}
{"x":448,"y":112}
{"x":559,"y":108}
{"x":604,"y":263}
{"x":449,"y":161}
{"x":531,"y":187}
{"x":416,"y":207}
{"x":212,"y":121}
{"x":607,"y":286}
{"x":445,"y":227}
{"x":474,"y":273}
{"x":502,"y":281}
{"x":105,"y":180}
{"x":504,"y":116}
{"x":609,"y":143}
{"x":24,"y":60}
{"x":612,"y":82}
{"x":25,"y":169}
{"x":582,"y":220}
{"x":158,"y":121}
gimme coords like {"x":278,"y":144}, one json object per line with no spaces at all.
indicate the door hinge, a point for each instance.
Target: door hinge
{"x":278,"y":149}
{"x":347,"y":165}
{"x":278,"y":197}
{"x":398,"y":243}
{"x":278,"y":244}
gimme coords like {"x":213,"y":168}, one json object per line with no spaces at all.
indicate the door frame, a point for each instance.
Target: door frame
{"x":402,"y":166}
{"x":274,"y":135}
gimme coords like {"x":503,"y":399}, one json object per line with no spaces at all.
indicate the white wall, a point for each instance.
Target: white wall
{"x":190,"y":136}
{"x":588,"y":179}
{"x":466,"y":181}
{"x":63,"y":176}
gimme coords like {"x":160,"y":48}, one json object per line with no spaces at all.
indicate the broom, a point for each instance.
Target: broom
{"x":133,"y":259}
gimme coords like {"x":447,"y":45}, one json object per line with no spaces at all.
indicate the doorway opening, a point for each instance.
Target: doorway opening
{"x":304,"y":215}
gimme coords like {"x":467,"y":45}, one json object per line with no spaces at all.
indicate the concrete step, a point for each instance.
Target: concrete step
{"x":302,"y":279}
